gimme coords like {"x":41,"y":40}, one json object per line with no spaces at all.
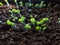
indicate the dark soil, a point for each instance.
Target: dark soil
{"x":20,"y":36}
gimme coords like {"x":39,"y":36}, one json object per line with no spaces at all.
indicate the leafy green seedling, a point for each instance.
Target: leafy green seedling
{"x":16,"y":3}
{"x":41,"y":21}
{"x":44,"y":28}
{"x":7,"y":2}
{"x":43,"y":25}
{"x":38,"y":22}
{"x":38,"y":28}
{"x":27,"y":26}
{"x":45,"y":19}
{"x":30,"y":5}
{"x":42,"y":4}
{"x":22,"y":19}
{"x":21,"y":4}
{"x":36,"y":5}
{"x":1,"y":4}
{"x":14,"y":18}
{"x":15,"y":10}
{"x":33,"y":20}
{"x":8,"y":22}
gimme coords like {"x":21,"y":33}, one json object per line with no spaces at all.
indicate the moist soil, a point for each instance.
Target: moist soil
{"x":20,"y":36}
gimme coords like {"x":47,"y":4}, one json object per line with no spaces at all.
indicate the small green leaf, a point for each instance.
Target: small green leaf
{"x":32,"y":20}
{"x":14,"y":10}
{"x":41,"y":21}
{"x":38,"y":22}
{"x":1,"y":4}
{"x":6,"y":0}
{"x":15,"y":0}
{"x":8,"y":22}
{"x":22,"y":19}
{"x":27,"y":26}
{"x":38,"y":28}
{"x":46,"y":19}
{"x":36,"y":5}
{"x":44,"y":28}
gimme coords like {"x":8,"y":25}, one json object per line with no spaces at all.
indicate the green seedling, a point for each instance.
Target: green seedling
{"x":38,"y":28}
{"x":38,"y":22}
{"x":45,"y":19}
{"x":22,"y":19}
{"x":42,"y":4}
{"x":43,"y":25}
{"x":44,"y":28}
{"x":14,"y":18}
{"x":1,"y":4}
{"x":33,"y":20}
{"x":36,"y":5}
{"x":21,"y":4}
{"x":27,"y":26}
{"x":30,"y":5}
{"x":15,"y":10}
{"x":8,"y":22}
{"x":16,"y":3}
{"x":7,"y":2}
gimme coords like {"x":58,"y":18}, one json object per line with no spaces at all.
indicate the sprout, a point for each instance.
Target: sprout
{"x":42,"y":4}
{"x":7,"y":2}
{"x":45,"y":19}
{"x":27,"y":26}
{"x":8,"y":22}
{"x":15,"y":11}
{"x":30,"y":5}
{"x":41,"y":22}
{"x":36,"y":5}
{"x":22,"y":19}
{"x":38,"y":28}
{"x":16,"y":3}
{"x":1,"y":4}
{"x":33,"y":20}
{"x":44,"y":25}
{"x":21,"y":4}
{"x":44,"y":28}
{"x":38,"y":22}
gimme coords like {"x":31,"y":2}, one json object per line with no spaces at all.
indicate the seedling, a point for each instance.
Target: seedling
{"x":44,"y":28}
{"x":21,"y":4}
{"x":22,"y":19}
{"x":16,"y":3}
{"x":8,"y":22}
{"x":1,"y":4}
{"x":36,"y":5}
{"x":7,"y":2}
{"x":27,"y":26}
{"x":38,"y":22}
{"x":45,"y":19}
{"x":42,"y":4}
{"x":32,"y":20}
{"x":38,"y":28}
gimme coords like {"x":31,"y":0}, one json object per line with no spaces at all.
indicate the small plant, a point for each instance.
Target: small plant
{"x":15,"y":10}
{"x":7,"y":2}
{"x":8,"y":22}
{"x":27,"y":26}
{"x":38,"y":28}
{"x":36,"y":5}
{"x":45,"y":19}
{"x":21,"y":4}
{"x":43,"y":29}
{"x":16,"y":3}
{"x":22,"y":19}
{"x":32,"y":20}
{"x":42,"y":4}
{"x":1,"y":4}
